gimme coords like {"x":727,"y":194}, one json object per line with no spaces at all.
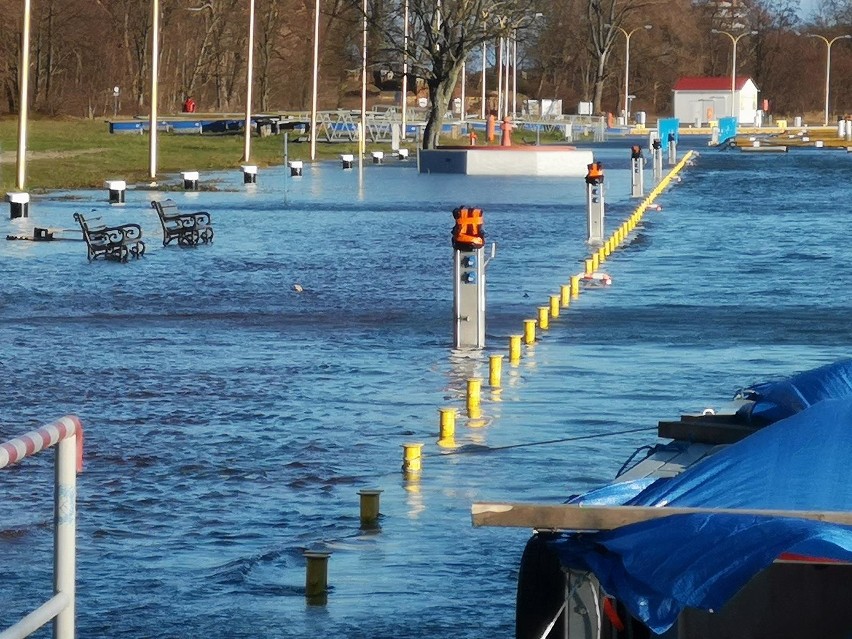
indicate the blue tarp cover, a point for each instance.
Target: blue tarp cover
{"x":657,"y":568}
{"x":780,"y":399}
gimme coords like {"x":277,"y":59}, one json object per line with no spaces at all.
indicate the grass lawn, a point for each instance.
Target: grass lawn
{"x":76,"y":153}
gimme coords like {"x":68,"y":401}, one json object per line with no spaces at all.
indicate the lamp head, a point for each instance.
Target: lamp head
{"x":649,"y":26}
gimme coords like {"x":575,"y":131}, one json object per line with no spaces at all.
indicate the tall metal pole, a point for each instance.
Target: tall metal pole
{"x":506,"y":81}
{"x":499,"y":66}
{"x":362,"y":137}
{"x":828,"y":44}
{"x":404,"y":100}
{"x":249,"y":72}
{"x":734,"y":41}
{"x":23,"y":100}
{"x":463,"y":82}
{"x":514,"y":74}
{"x":627,"y":35}
{"x":315,"y":82}
{"x":155,"y":63}
{"x":484,"y":64}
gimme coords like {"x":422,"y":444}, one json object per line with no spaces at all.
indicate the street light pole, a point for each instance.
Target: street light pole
{"x":828,"y":44}
{"x":155,"y":61}
{"x":734,"y":41}
{"x":249,"y":71}
{"x":404,"y":105}
{"x":314,"y":85}
{"x":23,"y":101}
{"x":627,"y":35}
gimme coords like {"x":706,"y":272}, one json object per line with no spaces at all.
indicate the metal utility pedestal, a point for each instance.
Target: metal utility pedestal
{"x":637,"y":172}
{"x":469,"y":298}
{"x":468,"y":278}
{"x":595,"y":203}
{"x":657,"y":159}
{"x":672,"y":150}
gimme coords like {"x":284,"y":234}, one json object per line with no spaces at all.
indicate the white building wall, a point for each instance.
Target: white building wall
{"x":690,"y":107}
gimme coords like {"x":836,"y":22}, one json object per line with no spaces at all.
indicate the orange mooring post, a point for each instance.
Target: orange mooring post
{"x":490,"y":124}
{"x":506,"y":130}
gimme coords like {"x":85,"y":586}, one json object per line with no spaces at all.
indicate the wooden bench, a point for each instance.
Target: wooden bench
{"x":112,"y":242}
{"x":189,"y":229}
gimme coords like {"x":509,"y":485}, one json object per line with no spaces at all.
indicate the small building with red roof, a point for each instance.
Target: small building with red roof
{"x":699,"y":100}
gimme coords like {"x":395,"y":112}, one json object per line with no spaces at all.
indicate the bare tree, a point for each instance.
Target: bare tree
{"x":443,"y":34}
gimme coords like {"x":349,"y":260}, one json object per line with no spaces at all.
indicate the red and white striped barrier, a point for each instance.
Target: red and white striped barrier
{"x":30,"y":443}
{"x":67,"y":434}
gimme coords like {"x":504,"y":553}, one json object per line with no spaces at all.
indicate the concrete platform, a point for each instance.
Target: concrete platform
{"x":559,"y":161}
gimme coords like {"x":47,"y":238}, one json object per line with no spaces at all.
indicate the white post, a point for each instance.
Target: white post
{"x":484,"y":64}
{"x":315,"y":83}
{"x":463,"y":81}
{"x":404,"y":100}
{"x":506,"y":82}
{"x":23,"y":100}
{"x":514,"y":75}
{"x":499,"y":68}
{"x":827,"y":78}
{"x":734,"y":109}
{"x":363,"y":132}
{"x":155,"y":63}
{"x":249,"y":69}
{"x":65,"y":533}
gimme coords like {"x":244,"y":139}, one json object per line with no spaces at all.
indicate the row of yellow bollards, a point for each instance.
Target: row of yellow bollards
{"x":413,"y":451}
{"x":316,"y":578}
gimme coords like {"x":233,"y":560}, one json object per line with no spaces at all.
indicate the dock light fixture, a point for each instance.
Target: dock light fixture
{"x":734,"y":41}
{"x":828,"y":44}
{"x":627,"y":35}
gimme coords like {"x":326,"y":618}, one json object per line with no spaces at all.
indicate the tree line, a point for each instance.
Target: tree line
{"x":573,"y":50}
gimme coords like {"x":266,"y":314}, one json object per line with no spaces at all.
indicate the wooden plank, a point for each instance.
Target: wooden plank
{"x":573,"y":517}
{"x":705,"y":433}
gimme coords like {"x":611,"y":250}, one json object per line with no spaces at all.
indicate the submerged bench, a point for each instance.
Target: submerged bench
{"x":112,"y":242}
{"x":187,"y":228}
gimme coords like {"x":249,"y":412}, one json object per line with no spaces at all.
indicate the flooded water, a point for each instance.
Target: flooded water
{"x":230,"y":421}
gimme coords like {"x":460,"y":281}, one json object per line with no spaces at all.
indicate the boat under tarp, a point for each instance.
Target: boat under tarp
{"x":657,"y":568}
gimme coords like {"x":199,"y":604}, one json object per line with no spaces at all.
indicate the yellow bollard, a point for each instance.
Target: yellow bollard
{"x":589,"y":266}
{"x":544,"y":317}
{"x":474,"y":391}
{"x":474,"y":413}
{"x":495,"y":370}
{"x":411,"y":457}
{"x":601,"y":255}
{"x":529,"y":331}
{"x":316,"y":573}
{"x":554,"y":306}
{"x":595,"y":262}
{"x":514,"y":349}
{"x":565,"y":295}
{"x":369,"y":506}
{"x":447,"y":423}
{"x":575,"y":287}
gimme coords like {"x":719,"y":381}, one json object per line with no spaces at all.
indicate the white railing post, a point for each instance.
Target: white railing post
{"x":67,"y":435}
{"x":65,"y":535}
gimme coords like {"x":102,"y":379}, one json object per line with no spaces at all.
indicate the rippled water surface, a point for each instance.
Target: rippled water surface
{"x":231,"y":421}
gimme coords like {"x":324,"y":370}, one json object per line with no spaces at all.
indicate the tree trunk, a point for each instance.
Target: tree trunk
{"x":440,"y":93}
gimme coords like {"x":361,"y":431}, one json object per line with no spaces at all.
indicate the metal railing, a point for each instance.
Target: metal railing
{"x":67,"y":432}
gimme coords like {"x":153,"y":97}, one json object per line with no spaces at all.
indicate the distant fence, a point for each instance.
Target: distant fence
{"x":67,"y":432}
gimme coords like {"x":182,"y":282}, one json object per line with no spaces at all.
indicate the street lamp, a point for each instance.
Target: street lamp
{"x":315,"y":82}
{"x":828,"y":44}
{"x":627,"y":35}
{"x":249,"y":71}
{"x":734,"y":40}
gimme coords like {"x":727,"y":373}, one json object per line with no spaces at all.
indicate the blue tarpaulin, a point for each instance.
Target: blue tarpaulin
{"x":780,"y":399}
{"x":658,"y":567}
